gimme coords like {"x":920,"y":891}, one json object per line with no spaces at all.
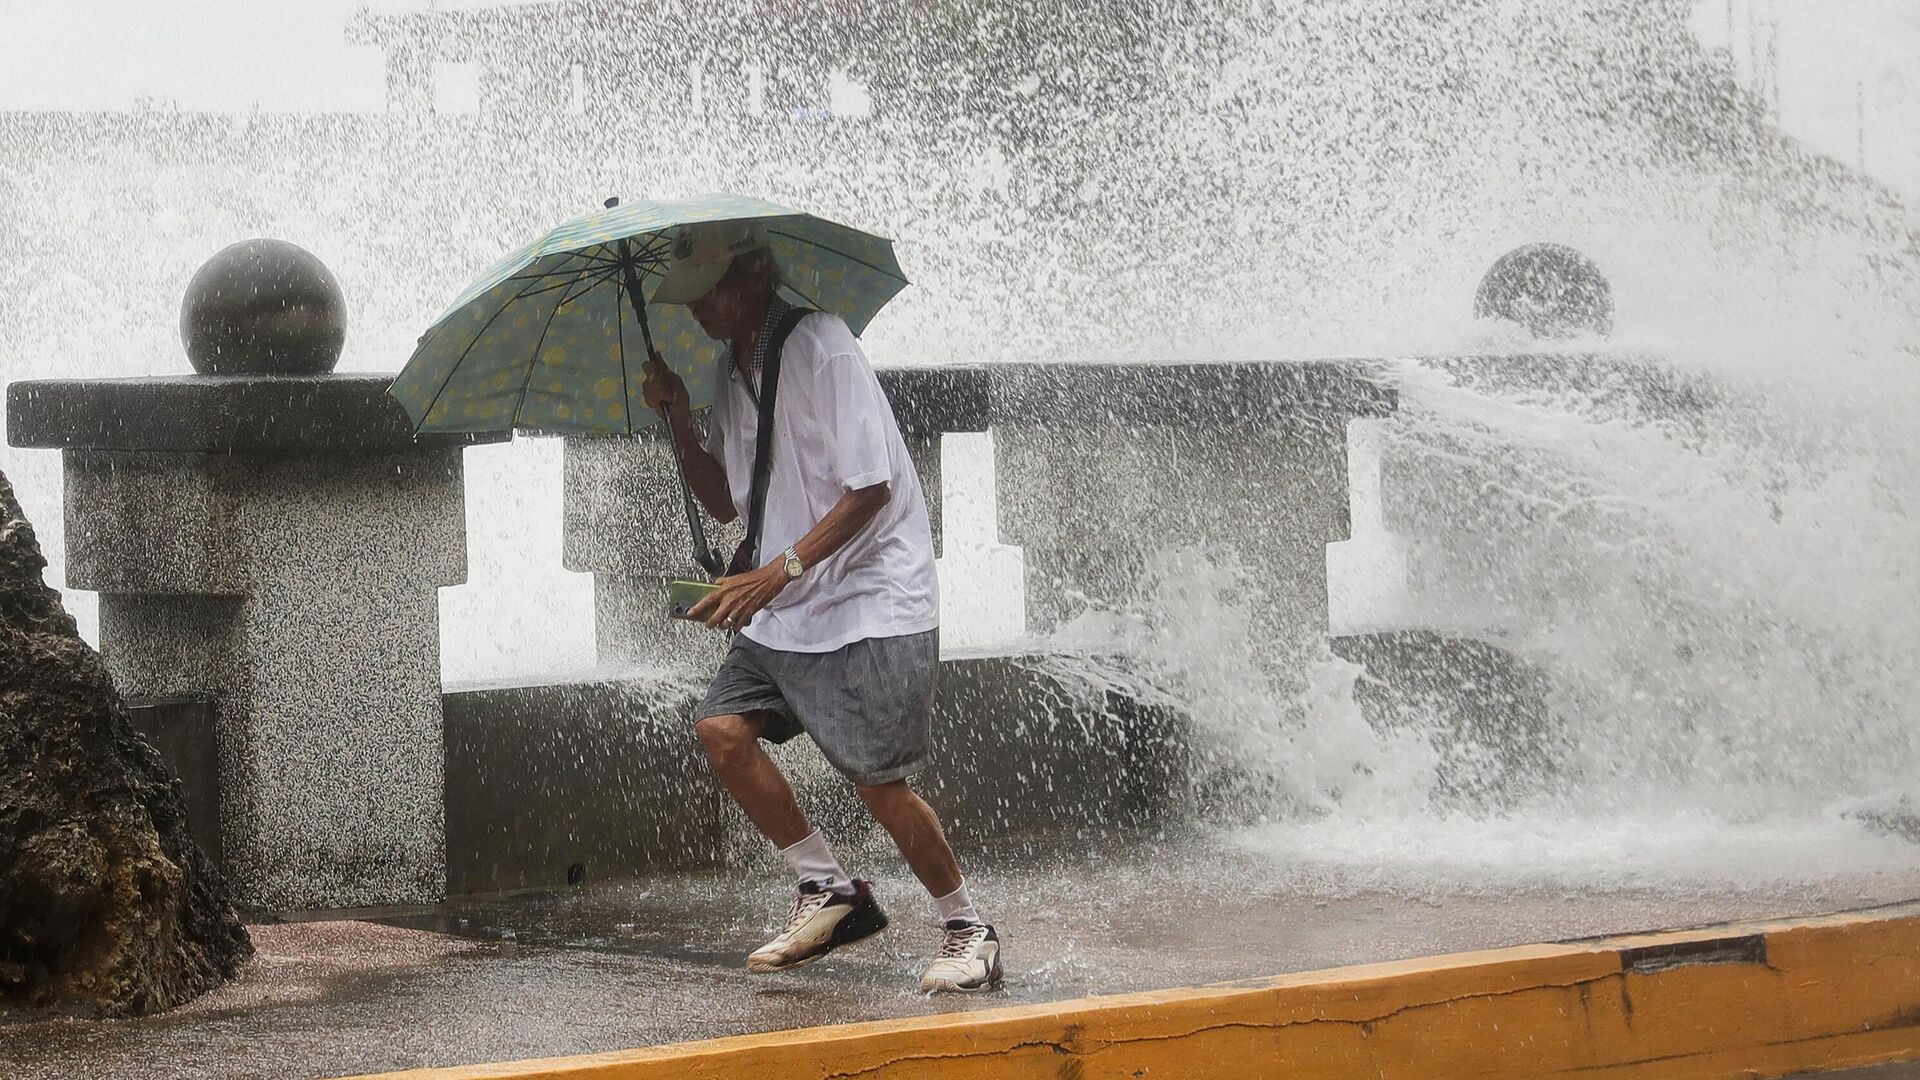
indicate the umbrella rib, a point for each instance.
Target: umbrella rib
{"x":601,"y":275}
{"x":894,"y":274}
{"x":564,"y":270}
{"x":475,"y":340}
{"x":553,"y":286}
{"x":597,"y":279}
{"x":588,"y":255}
{"x":513,"y":418}
{"x":657,"y":244}
{"x":811,"y":302}
{"x":545,"y":275}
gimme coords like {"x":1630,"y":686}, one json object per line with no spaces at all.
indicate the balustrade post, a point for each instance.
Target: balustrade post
{"x":276,"y":542}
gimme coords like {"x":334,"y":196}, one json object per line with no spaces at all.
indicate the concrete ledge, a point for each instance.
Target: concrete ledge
{"x":219,"y":414}
{"x":1753,"y":999}
{"x":550,"y":785}
{"x":547,"y":785}
{"x":1186,"y":394}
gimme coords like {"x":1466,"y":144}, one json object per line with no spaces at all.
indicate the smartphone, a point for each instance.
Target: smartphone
{"x":682,"y":595}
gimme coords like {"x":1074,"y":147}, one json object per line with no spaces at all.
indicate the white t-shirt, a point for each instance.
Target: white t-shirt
{"x":833,"y":432}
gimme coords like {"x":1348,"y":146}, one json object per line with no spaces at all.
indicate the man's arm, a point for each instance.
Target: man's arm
{"x":741,"y":596}
{"x":667,"y":394}
{"x":853,"y":512}
{"x":705,"y":475}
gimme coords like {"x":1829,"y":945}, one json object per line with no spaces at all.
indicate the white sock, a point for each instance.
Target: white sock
{"x":957,"y":905}
{"x":812,"y":860}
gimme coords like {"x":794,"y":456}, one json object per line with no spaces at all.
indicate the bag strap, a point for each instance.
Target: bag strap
{"x":747,"y":555}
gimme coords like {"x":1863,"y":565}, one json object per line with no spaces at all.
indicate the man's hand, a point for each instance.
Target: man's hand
{"x":666,"y":394}
{"x":736,"y":599}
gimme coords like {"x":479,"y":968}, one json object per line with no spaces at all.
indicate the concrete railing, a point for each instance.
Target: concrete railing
{"x":275,"y":545}
{"x":1098,"y":464}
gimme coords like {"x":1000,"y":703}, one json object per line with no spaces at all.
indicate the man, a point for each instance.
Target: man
{"x":836,"y":634}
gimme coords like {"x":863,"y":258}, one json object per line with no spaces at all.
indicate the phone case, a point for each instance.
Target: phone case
{"x":682,"y":595}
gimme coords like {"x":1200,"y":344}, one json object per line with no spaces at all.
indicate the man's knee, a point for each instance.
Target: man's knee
{"x":727,"y":738}
{"x":883,"y":797}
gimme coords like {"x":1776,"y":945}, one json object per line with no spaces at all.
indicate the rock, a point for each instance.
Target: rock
{"x":106,"y":905}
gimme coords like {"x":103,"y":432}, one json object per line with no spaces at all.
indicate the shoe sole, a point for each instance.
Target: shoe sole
{"x":857,"y":926}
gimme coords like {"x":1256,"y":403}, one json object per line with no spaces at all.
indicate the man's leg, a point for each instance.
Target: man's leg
{"x":916,"y":831}
{"x":969,"y":957}
{"x":751,"y":777}
{"x":832,"y":909}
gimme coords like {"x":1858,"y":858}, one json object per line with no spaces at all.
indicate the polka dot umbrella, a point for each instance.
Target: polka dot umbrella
{"x":554,"y":337}
{"x":550,"y":338}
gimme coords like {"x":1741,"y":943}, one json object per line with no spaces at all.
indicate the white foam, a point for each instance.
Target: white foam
{"x":1547,"y":849}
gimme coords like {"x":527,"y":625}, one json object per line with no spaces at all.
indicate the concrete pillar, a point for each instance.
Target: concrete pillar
{"x":624,"y":524}
{"x":278,"y":544}
{"x":1099,"y":466}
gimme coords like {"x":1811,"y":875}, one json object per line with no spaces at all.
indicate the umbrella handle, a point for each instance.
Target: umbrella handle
{"x":703,"y":552}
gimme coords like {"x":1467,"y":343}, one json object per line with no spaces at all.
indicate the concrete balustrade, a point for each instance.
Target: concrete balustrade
{"x":1098,"y":465}
{"x":276,"y":543}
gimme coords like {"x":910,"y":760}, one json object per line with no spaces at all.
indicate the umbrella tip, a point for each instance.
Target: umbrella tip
{"x":612,"y":201}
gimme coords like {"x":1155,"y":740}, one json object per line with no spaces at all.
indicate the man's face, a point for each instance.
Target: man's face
{"x":723,"y":311}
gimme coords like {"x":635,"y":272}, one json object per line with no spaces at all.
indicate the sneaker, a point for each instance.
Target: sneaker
{"x":969,"y":960}
{"x":821,"y":921}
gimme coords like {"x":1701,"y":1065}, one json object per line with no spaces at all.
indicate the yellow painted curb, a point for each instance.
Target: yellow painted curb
{"x":1749,"y":999}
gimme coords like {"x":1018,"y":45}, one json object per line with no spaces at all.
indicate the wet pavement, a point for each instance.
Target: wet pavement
{"x":603,"y":967}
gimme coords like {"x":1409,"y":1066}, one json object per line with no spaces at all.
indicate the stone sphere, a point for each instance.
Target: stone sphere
{"x":1551,"y":289}
{"x":263,"y":307}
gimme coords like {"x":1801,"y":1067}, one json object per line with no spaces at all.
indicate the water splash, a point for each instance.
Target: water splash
{"x":1270,"y":742}
{"x":1720,"y":595}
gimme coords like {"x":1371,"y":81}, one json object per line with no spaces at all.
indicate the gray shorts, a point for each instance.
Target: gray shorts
{"x":867,"y":705}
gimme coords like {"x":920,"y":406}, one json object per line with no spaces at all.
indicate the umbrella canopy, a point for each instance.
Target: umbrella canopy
{"x":549,"y":340}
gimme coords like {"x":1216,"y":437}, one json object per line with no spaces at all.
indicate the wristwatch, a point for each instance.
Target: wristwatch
{"x":790,"y":562}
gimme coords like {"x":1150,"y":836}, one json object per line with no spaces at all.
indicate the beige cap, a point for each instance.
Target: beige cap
{"x":701,"y":254}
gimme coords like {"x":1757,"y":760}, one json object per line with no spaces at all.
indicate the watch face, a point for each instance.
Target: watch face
{"x":793,"y":565}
